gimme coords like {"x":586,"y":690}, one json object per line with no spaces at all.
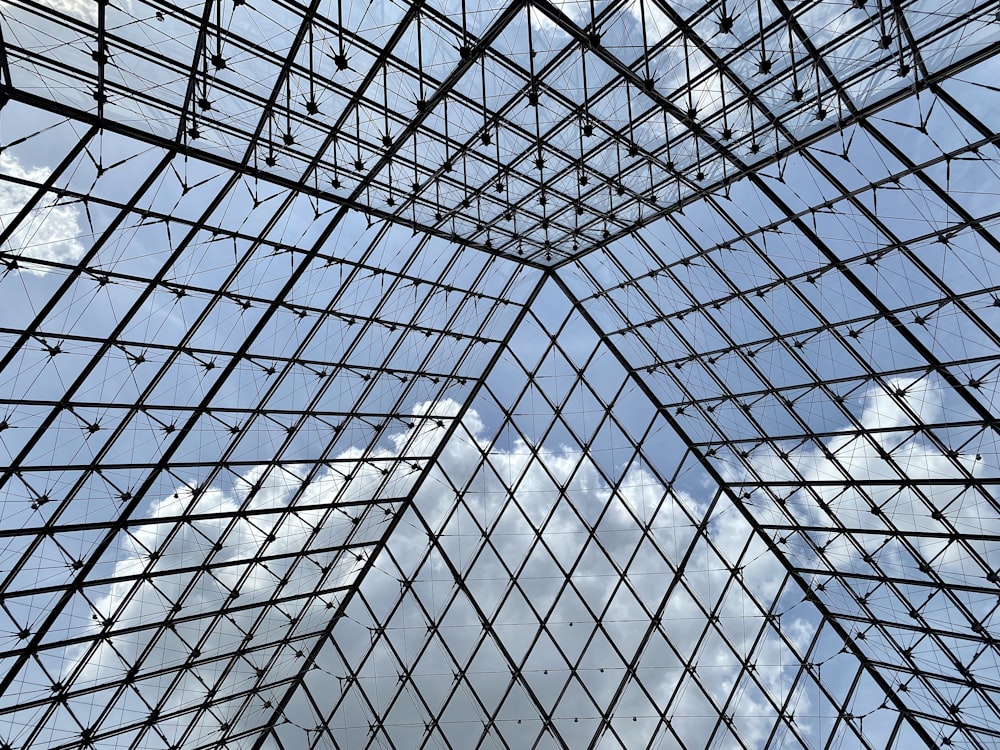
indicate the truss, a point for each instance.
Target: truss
{"x":561,"y":374}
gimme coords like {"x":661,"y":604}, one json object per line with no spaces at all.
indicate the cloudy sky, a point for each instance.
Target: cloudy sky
{"x":51,"y":230}
{"x":515,"y":492}
{"x":536,"y":473}
{"x":200,"y":613}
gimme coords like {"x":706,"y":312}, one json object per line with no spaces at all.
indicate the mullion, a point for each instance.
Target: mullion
{"x":310,"y":596}
{"x":485,"y":529}
{"x":565,"y":123}
{"x":348,"y":680}
{"x":394,"y":522}
{"x":765,"y":380}
{"x":106,"y":346}
{"x":313,"y":706}
{"x":808,"y":667}
{"x":809,"y":386}
{"x":44,"y":187}
{"x":895,"y":241}
{"x":263,"y":411}
{"x":569,"y":121}
{"x":739,"y":83}
{"x":776,"y":337}
{"x":782,"y":558}
{"x":721,"y":329}
{"x":505,"y":62}
{"x":844,"y":716}
{"x":744,"y":234}
{"x":251,"y":692}
{"x":403,"y":394}
{"x":982,"y":691}
{"x":700,"y":537}
{"x":613,"y":485}
{"x":803,"y":672}
{"x":177,"y":619}
{"x":833,"y":572}
{"x":192,"y":582}
{"x":798,"y":145}
{"x":909,"y":627}
{"x":516,"y":668}
{"x":197,"y":711}
{"x":655,"y":624}
{"x":419,"y":566}
{"x":887,"y":579}
{"x":302,"y":184}
{"x":421,"y":650}
{"x":252,"y":357}
{"x":293,"y":360}
{"x":489,"y":543}
{"x":935,"y":635}
{"x":195,"y":496}
{"x":457,"y":94}
{"x":447,"y":87}
{"x":678,"y":573}
{"x":783,"y":339}
{"x":145,"y":215}
{"x":733,"y":347}
{"x":937,"y":367}
{"x":572,"y":118}
{"x":513,"y":575}
{"x":406,"y":587}
{"x":900,"y":483}
{"x":767,"y":626}
{"x":919,"y":171}
{"x":873,"y":620}
{"x":406,"y":676}
{"x":63,"y":290}
{"x":280,"y":80}
{"x":50,"y":618}
{"x":746,"y":294}
{"x":146,"y":724}
{"x":460,"y":677}
{"x":637,"y":452}
{"x":208,"y":464}
{"x":152,"y":576}
{"x":608,"y":417}
{"x":430,"y":634}
{"x":713,"y":621}
{"x":824,"y":249}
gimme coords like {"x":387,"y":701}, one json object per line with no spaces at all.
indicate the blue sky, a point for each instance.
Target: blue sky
{"x":822,"y":331}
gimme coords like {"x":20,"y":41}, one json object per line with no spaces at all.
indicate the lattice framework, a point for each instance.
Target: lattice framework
{"x":564,"y":374}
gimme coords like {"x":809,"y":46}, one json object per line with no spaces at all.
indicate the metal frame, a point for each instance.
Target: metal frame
{"x":338,"y":340}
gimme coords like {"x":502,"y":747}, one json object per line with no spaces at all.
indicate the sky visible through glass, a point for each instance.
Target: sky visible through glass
{"x":551,"y":374}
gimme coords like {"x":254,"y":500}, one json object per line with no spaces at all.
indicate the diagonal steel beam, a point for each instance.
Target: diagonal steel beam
{"x":849,"y":644}
{"x":282,"y":703}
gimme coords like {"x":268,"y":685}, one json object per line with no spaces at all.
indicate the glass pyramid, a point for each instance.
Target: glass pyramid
{"x":555,"y":374}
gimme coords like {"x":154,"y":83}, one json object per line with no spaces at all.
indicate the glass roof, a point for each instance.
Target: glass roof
{"x":556,"y":374}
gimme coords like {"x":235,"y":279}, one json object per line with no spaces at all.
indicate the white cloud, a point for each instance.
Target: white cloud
{"x":131,"y":604}
{"x":639,"y":500}
{"x":890,"y":445}
{"x":85,"y":10}
{"x":894,"y":449}
{"x":50,"y":231}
